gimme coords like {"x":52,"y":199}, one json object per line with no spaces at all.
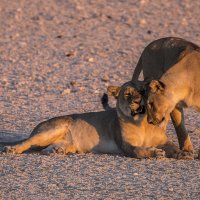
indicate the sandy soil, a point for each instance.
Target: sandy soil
{"x":56,"y":58}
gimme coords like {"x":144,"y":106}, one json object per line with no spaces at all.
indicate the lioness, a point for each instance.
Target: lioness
{"x":179,"y":85}
{"x":121,"y":130}
{"x":172,"y":57}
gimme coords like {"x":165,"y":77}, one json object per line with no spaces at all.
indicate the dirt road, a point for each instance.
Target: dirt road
{"x":56,"y":58}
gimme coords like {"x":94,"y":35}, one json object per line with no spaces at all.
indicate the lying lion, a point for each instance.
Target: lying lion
{"x":121,"y":130}
{"x":178,"y":62}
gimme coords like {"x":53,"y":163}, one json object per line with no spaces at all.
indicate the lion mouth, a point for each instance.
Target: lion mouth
{"x":140,"y":110}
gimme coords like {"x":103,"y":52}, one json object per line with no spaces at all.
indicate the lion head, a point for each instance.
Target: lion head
{"x":159,"y":102}
{"x":130,"y":101}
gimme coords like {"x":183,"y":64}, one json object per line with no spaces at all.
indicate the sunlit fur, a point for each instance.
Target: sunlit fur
{"x":103,"y":132}
{"x":158,"y":58}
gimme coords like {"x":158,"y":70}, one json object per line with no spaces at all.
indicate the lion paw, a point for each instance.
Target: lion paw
{"x":159,"y":153}
{"x":186,"y":155}
{"x":9,"y":149}
{"x":53,"y":150}
{"x":59,"y":150}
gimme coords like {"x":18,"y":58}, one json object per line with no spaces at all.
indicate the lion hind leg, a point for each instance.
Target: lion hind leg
{"x":59,"y":148}
{"x":42,"y":139}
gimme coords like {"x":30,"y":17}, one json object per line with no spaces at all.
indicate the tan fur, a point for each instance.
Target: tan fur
{"x":181,"y":87}
{"x":113,"y":131}
{"x":157,"y":59}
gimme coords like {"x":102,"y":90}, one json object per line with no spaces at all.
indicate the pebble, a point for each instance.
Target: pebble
{"x":196,"y":131}
{"x":91,"y":59}
{"x":82,"y":89}
{"x":95,"y":73}
{"x":105,"y":78}
{"x":75,"y":83}
{"x":66,"y":91}
{"x":142,"y":22}
{"x":184,"y":22}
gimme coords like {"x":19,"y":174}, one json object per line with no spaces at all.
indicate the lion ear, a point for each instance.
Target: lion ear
{"x":113,"y":91}
{"x":156,"y":86}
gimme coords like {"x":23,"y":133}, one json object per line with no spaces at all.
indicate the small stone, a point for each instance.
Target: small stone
{"x":171,"y":189}
{"x":149,"y":32}
{"x":107,"y":84}
{"x":142,"y":2}
{"x":23,"y":44}
{"x":70,"y":54}
{"x":66,"y":91}
{"x":196,"y":131}
{"x":135,"y":174}
{"x":19,"y":10}
{"x":75,"y":83}
{"x":94,"y":87}
{"x":82,"y":89}
{"x":91,"y":59}
{"x":142,"y":22}
{"x":115,"y":77}
{"x":184,"y":22}
{"x":15,"y":36}
{"x":105,"y":78}
{"x":95,"y":73}
{"x":59,"y":36}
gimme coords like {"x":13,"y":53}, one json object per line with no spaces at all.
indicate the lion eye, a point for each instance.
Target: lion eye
{"x":129,"y":97}
{"x":127,"y":94}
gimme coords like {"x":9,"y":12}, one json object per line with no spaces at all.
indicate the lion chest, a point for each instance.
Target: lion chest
{"x":143,"y":135}
{"x":132,"y":134}
{"x":154,"y":136}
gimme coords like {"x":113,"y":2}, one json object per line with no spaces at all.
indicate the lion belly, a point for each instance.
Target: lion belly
{"x":106,"y":146}
{"x":88,"y":137}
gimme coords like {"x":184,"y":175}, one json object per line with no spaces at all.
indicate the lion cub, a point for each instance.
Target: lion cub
{"x":121,"y":130}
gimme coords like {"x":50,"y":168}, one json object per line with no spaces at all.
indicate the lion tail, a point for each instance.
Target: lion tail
{"x":137,"y":70}
{"x":104,"y":102}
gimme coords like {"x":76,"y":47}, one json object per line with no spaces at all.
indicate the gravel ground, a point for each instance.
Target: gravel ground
{"x":56,"y":58}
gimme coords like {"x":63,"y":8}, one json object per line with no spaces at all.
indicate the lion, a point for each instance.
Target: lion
{"x":122,"y":130}
{"x":161,"y":58}
{"x":179,"y":86}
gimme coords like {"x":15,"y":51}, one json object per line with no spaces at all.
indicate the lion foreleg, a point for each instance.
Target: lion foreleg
{"x":171,"y":150}
{"x":142,"y":152}
{"x":177,"y":117}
